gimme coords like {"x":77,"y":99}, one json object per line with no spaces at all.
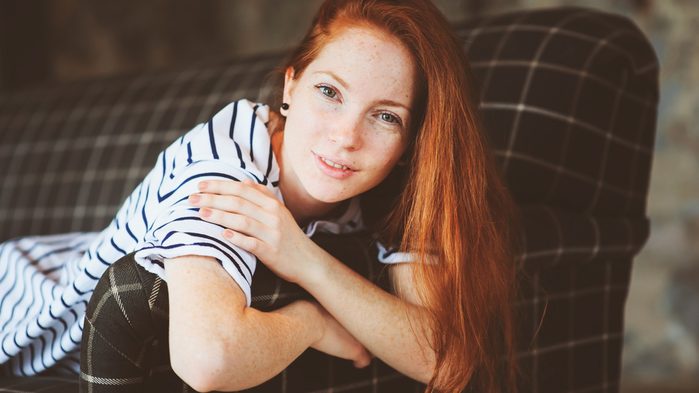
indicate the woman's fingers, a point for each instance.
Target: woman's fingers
{"x":246,"y":189}
{"x":214,"y":206}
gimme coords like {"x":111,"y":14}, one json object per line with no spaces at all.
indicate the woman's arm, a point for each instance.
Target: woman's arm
{"x":216,"y":342}
{"x":380,"y":320}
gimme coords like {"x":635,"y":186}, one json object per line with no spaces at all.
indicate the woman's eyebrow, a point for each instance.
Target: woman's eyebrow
{"x":393,"y":103}
{"x":334,"y":76}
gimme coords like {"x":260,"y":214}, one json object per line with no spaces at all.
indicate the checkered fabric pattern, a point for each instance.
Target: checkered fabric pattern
{"x":568,"y":98}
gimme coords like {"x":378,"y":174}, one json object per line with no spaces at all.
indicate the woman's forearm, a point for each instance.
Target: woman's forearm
{"x":216,"y":342}
{"x":270,"y":341}
{"x":379,"y":320}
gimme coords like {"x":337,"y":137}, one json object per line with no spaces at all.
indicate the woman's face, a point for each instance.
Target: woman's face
{"x":349,"y":116}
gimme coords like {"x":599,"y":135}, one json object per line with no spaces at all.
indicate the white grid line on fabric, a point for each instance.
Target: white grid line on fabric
{"x":638,"y":69}
{"x":56,"y":212}
{"x":608,"y":135}
{"x":63,"y":177}
{"x":564,"y":170}
{"x":361,"y":384}
{"x":496,"y":54}
{"x":468,"y":37}
{"x":559,"y":232}
{"x":331,"y":372}
{"x":571,"y":325}
{"x":597,"y":240}
{"x":569,"y":119}
{"x":568,"y":345}
{"x":535,"y":339}
{"x":563,"y":249}
{"x":605,"y":326}
{"x":284,"y":380}
{"x":564,"y":70}
{"x":374,"y":376}
{"x":569,"y":295}
{"x":527,"y":83}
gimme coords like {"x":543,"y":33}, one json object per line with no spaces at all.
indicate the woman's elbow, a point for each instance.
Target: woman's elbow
{"x":203,"y":368}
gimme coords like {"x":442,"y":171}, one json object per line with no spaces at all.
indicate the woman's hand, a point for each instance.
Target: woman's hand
{"x":259,"y":223}
{"x":337,"y":341}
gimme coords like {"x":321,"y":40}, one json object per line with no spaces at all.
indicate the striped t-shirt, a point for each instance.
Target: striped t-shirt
{"x":46,"y":281}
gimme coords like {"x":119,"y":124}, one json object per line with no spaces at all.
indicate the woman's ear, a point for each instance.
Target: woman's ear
{"x":289,"y":83}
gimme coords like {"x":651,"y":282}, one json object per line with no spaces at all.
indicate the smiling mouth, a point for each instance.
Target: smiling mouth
{"x":334,"y":164}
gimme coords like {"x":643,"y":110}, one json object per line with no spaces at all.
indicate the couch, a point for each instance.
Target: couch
{"x":568,"y":98}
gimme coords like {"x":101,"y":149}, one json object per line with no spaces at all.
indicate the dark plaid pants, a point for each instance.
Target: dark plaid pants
{"x":125,"y":339}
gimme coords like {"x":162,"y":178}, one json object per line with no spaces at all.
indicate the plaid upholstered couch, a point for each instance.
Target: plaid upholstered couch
{"x":569,"y":99}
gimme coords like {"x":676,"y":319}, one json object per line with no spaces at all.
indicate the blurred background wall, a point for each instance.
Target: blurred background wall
{"x":48,"y":42}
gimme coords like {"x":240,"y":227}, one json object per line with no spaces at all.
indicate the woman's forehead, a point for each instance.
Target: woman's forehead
{"x":366,"y":59}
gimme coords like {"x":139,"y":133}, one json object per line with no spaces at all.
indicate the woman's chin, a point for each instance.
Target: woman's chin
{"x":328,"y":194}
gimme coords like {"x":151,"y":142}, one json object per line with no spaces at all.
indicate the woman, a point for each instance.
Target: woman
{"x":374,"y":96}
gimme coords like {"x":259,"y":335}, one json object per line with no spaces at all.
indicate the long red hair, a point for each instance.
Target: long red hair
{"x":451,"y":205}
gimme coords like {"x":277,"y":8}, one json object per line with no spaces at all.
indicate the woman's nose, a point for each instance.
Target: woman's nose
{"x":347,"y":132}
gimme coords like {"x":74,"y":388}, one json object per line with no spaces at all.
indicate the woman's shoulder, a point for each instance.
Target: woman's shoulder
{"x":234,"y":136}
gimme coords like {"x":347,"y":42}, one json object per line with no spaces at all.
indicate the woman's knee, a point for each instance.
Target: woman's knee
{"x":120,"y":302}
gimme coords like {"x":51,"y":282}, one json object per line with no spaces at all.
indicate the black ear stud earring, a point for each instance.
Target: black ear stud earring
{"x":285,"y":106}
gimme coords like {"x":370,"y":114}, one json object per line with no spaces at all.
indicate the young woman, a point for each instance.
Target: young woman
{"x":375,"y":97}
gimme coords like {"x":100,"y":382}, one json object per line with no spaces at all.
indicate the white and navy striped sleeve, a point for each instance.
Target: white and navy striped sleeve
{"x":209,"y":151}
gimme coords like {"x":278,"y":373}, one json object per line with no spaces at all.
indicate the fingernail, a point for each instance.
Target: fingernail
{"x":203,"y":185}
{"x":228,"y":233}
{"x":204,"y":212}
{"x":194,"y":199}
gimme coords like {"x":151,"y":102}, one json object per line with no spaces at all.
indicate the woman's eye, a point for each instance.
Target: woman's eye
{"x":327,"y":91}
{"x":389,"y":118}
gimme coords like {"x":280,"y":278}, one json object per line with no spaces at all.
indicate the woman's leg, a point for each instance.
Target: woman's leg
{"x":125,"y":343}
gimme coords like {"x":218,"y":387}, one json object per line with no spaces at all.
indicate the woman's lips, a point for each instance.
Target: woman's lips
{"x":337,"y":173}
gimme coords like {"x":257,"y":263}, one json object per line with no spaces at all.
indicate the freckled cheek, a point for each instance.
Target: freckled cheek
{"x":380,"y":167}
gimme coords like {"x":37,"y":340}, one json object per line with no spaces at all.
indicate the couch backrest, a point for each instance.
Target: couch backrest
{"x":568,"y":100}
